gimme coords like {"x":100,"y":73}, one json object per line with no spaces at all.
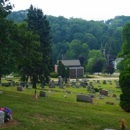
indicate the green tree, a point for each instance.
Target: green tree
{"x":67,"y":72}
{"x":125,"y":74}
{"x":109,"y":69}
{"x":7,"y":28}
{"x":59,"y":68}
{"x":91,"y":41}
{"x":27,"y":50}
{"x":93,"y":57}
{"x":124,"y":81}
{"x":125,"y":53}
{"x":38,"y":22}
{"x":120,"y":66}
{"x":98,"y":66}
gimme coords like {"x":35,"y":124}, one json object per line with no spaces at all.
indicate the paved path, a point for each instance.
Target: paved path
{"x":99,"y":78}
{"x":104,"y":78}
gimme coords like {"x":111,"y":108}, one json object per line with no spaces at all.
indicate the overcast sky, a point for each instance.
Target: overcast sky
{"x":85,"y":9}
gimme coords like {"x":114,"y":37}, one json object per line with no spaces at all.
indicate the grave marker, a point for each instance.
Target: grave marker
{"x":1,"y":117}
{"x":43,"y":94}
{"x":83,"y":98}
{"x":20,"y":88}
{"x":104,"y":92}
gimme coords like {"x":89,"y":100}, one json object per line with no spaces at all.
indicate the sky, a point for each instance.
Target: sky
{"x":86,"y":9}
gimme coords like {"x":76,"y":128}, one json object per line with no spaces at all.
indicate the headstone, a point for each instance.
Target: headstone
{"x":93,"y":91}
{"x":111,"y":103}
{"x":89,"y":88}
{"x":117,"y":86}
{"x":22,"y":84}
{"x":77,"y":86}
{"x":1,"y":92}
{"x":114,"y":95}
{"x":60,"y":82}
{"x":59,"y":79}
{"x":91,"y":83}
{"x":27,"y":85}
{"x":104,"y":92}
{"x":83,"y":98}
{"x":6,"y":84}
{"x":83,"y":84}
{"x":61,"y":85}
{"x":52,"y":84}
{"x":98,"y":81}
{"x":101,"y":96}
{"x":68,"y":92}
{"x":67,"y":85}
{"x":110,"y":83}
{"x":117,"y":98}
{"x":1,"y":117}
{"x":20,"y":88}
{"x":73,"y":83}
{"x":43,"y":94}
{"x":104,"y":82}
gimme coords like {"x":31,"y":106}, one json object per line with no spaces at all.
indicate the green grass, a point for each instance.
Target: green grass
{"x":58,"y":113}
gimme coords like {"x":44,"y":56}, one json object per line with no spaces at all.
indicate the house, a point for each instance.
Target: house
{"x":76,"y":70}
{"x":117,"y":61}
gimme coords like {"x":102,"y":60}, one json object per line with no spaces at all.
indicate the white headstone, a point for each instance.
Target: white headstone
{"x":1,"y":117}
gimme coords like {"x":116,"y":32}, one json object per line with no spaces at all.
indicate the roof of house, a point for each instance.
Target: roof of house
{"x":71,"y":62}
{"x":79,"y":67}
{"x":119,"y":59}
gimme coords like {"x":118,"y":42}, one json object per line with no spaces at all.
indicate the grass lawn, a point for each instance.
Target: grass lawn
{"x":58,"y":113}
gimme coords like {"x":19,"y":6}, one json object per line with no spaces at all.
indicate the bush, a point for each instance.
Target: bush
{"x":15,"y":74}
{"x":124,"y":81}
{"x":87,"y":76}
{"x":54,"y":75}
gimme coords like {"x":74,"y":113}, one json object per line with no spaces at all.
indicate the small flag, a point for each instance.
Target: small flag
{"x":51,"y":91}
{"x":92,"y":101}
{"x":35,"y":94}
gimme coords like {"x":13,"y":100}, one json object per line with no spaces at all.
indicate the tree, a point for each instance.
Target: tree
{"x":38,"y":22}
{"x":125,"y":53}
{"x":67,"y":72}
{"x":124,"y":78}
{"x":91,"y":41}
{"x":5,"y":8}
{"x":6,"y":32}
{"x":120,"y":66}
{"x":27,"y":50}
{"x":124,"y":81}
{"x":59,"y":68}
{"x":109,"y":69}
{"x":98,"y":66}
{"x":93,"y":56}
{"x":62,"y":70}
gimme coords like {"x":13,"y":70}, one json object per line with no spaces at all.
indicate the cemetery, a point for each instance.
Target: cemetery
{"x":95,"y":103}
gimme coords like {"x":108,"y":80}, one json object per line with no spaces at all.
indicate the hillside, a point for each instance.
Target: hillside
{"x":98,"y":35}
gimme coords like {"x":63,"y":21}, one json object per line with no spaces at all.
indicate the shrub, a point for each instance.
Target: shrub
{"x":54,"y":75}
{"x":87,"y":76}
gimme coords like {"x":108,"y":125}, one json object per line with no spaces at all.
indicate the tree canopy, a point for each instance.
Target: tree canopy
{"x":38,"y":22}
{"x":125,"y":74}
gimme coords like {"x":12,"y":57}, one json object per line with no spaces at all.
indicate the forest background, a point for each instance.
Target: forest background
{"x":76,"y":38}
